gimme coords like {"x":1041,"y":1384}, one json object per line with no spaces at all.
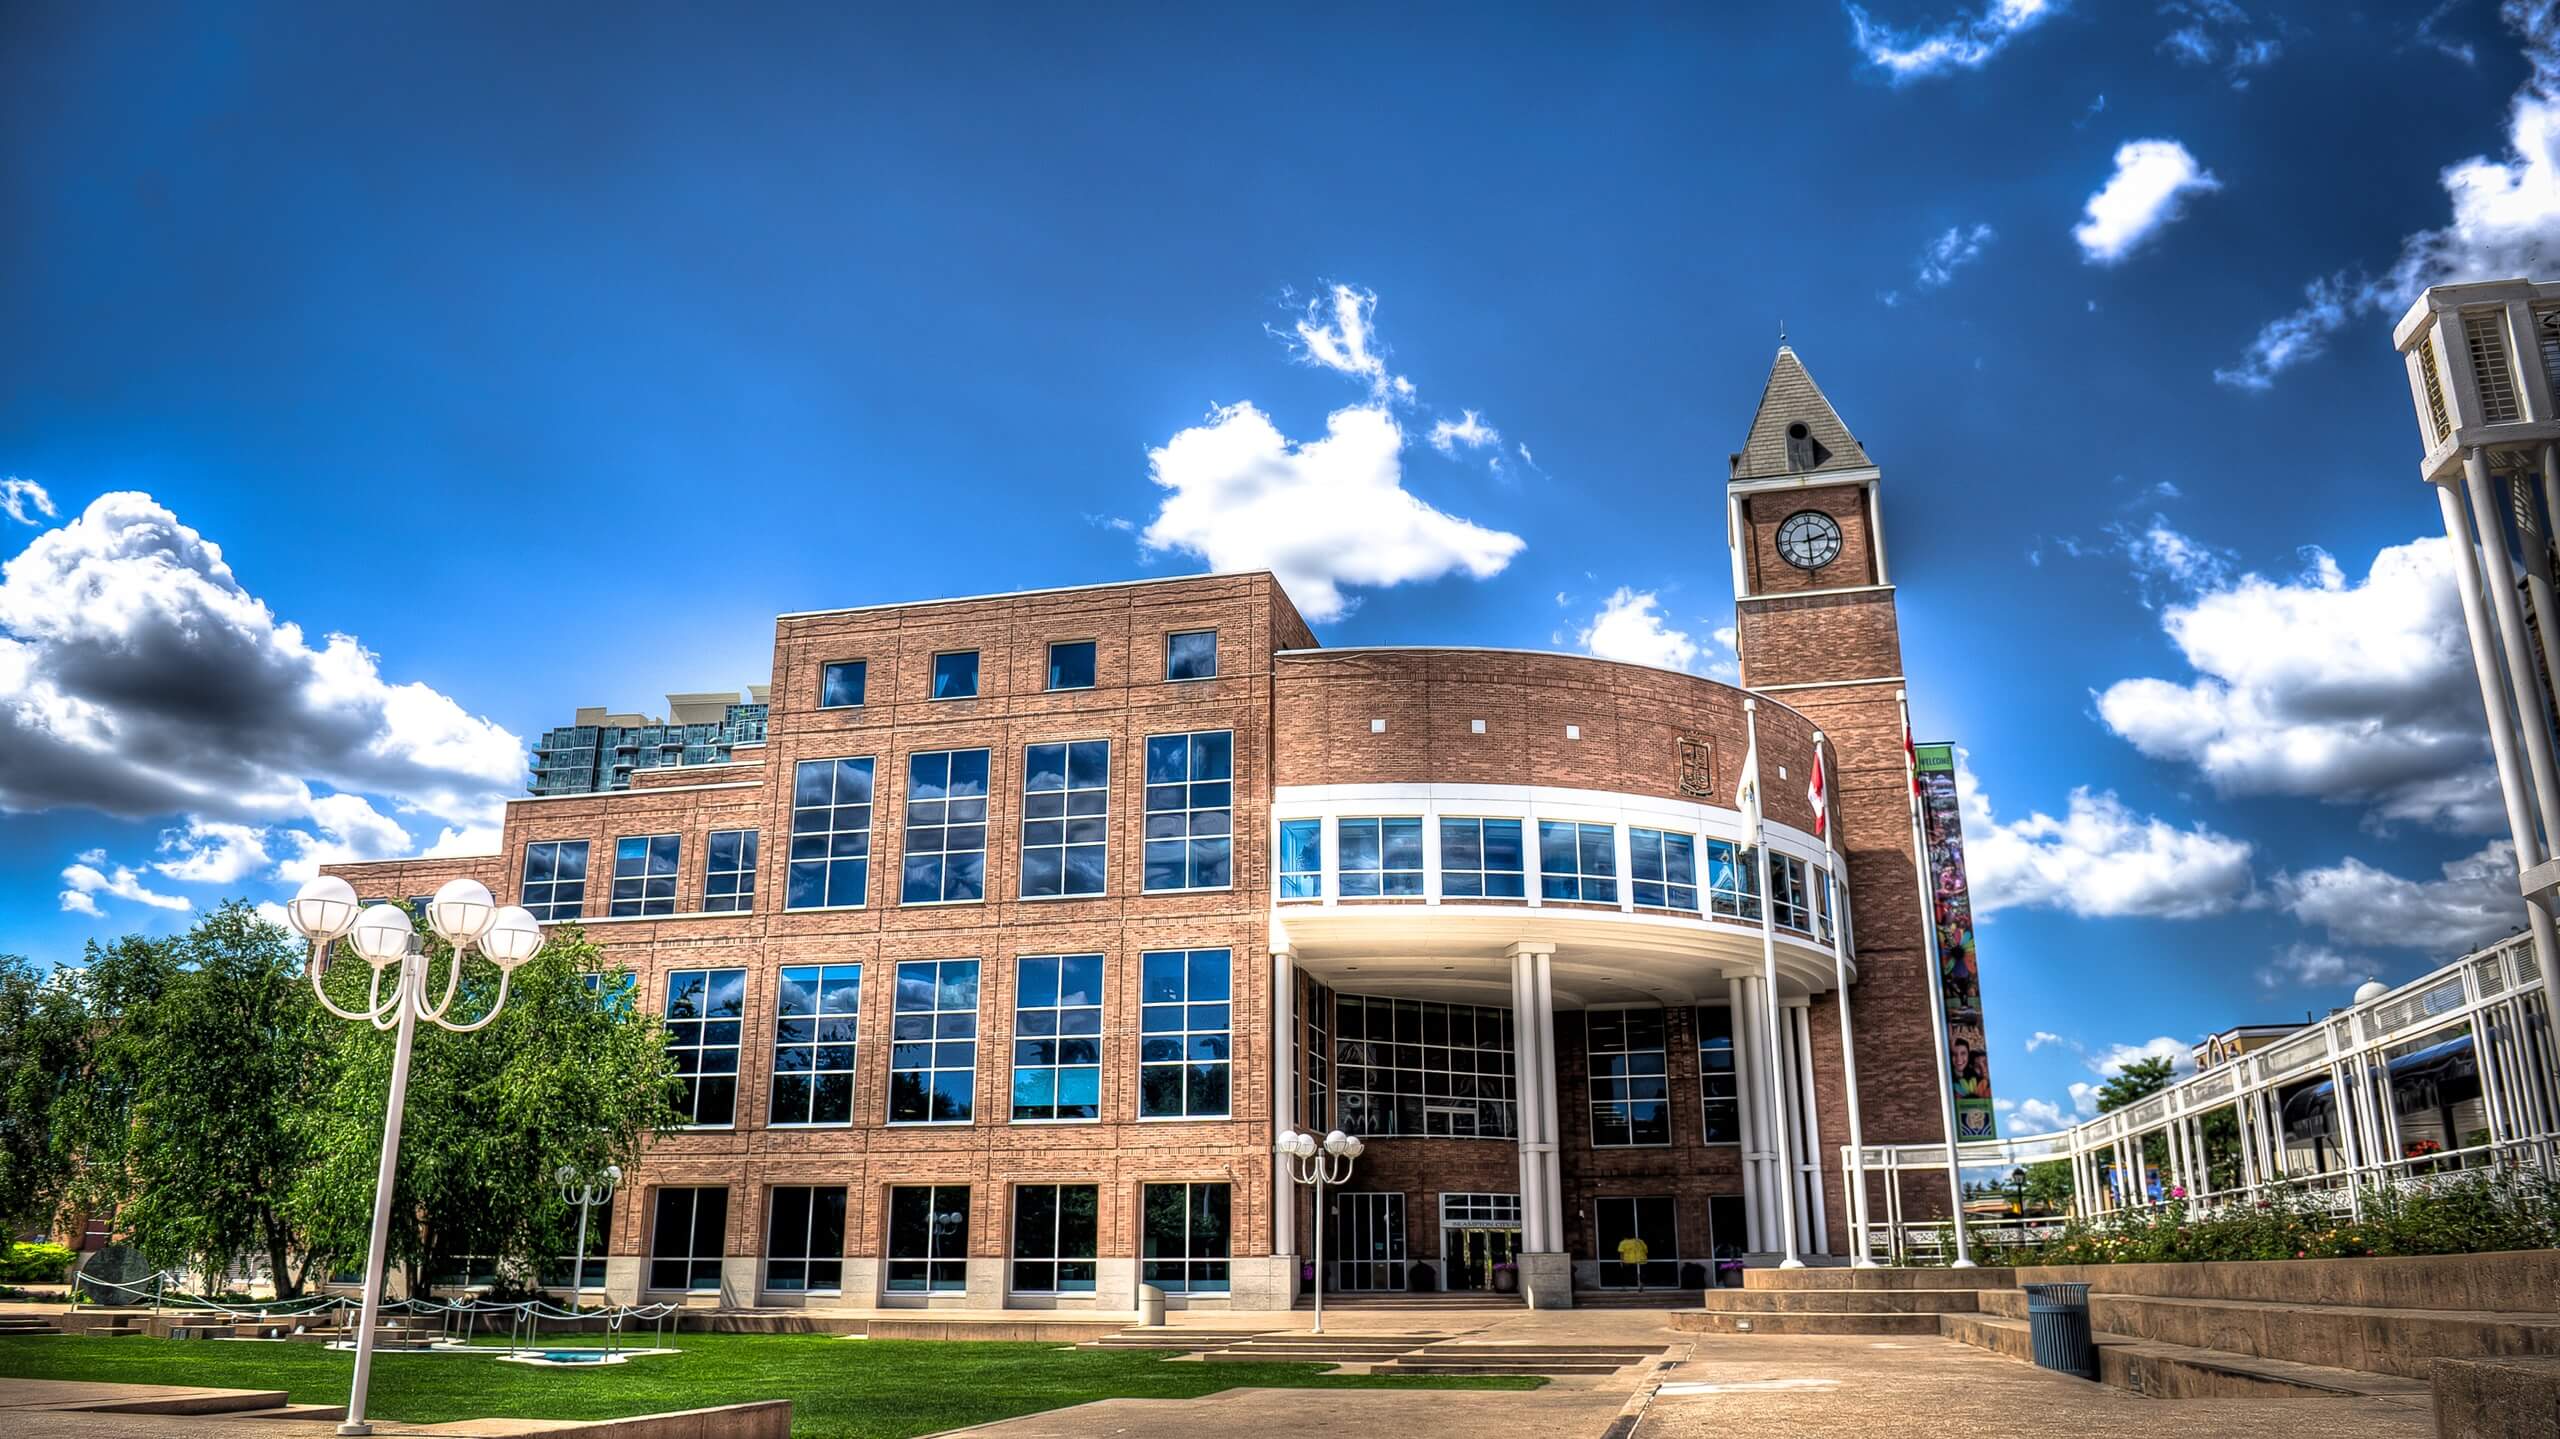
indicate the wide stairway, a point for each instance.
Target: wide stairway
{"x":2283,"y":1328}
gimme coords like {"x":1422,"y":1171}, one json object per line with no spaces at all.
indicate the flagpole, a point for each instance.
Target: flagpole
{"x":1937,"y":983}
{"x":1823,"y":816}
{"x":1787,"y":1177}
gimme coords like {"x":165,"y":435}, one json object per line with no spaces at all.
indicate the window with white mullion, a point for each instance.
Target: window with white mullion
{"x":1185,"y":1034}
{"x":1190,"y":798}
{"x":830,"y":864}
{"x":729,"y":870}
{"x":1733,"y":881}
{"x":1662,"y":869}
{"x":1629,"y":1064}
{"x":945,"y":857}
{"x":555,"y":878}
{"x":1066,"y":798}
{"x":818,"y":1014}
{"x":1719,"y":1084}
{"x":1578,"y":863}
{"x":933,"y":1043}
{"x":1482,"y":859}
{"x":644,"y":874}
{"x":1423,"y":1067}
{"x":1378,"y":858}
{"x":1057,"y":1037}
{"x":705,"y":1020}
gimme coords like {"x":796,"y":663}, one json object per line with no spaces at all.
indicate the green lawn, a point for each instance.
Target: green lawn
{"x":838,"y":1388}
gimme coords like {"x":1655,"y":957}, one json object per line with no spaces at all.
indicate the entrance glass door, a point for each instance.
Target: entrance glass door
{"x":1367,"y":1241}
{"x":1479,"y":1233}
{"x":1652,"y":1260}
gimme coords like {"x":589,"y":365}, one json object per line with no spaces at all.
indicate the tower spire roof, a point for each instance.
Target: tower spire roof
{"x":1774,"y":447}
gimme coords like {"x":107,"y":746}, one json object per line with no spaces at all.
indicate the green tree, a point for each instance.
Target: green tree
{"x":42,"y":1037}
{"x":91,"y":1123}
{"x":2136,"y":1081}
{"x":569,"y":1073}
{"x":224,"y":1060}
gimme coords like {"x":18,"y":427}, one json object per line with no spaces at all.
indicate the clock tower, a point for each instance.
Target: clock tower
{"x":1815,"y":630}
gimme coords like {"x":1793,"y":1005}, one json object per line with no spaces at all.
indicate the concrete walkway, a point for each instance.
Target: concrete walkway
{"x":1774,"y":1387}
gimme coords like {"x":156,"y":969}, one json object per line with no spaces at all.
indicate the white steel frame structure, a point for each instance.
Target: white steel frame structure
{"x":2493,"y":998}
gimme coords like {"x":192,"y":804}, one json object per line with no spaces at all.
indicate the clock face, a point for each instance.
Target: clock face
{"x":1809,"y":540}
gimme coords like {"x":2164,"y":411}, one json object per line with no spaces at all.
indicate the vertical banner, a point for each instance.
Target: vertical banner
{"x":1959,"y":971}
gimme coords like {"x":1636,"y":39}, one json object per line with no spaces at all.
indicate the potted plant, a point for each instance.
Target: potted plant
{"x":1506,"y":1278}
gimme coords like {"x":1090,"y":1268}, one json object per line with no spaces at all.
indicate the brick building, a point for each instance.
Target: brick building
{"x":996,"y":968}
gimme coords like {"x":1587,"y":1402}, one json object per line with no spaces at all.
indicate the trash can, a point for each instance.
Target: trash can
{"x":2058,"y":1324}
{"x":1151,"y":1306}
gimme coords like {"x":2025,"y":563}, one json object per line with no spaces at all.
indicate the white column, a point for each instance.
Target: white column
{"x":1746,"y":1075}
{"x":2502,"y":744}
{"x":1525,"y":1061}
{"x":1550,"y":1162}
{"x":1754,"y":1039}
{"x":1533,"y":1021}
{"x":1818,"y":1221}
{"x":1284,"y":1104}
{"x":2530,"y":714}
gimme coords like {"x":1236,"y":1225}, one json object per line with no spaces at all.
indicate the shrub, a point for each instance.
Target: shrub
{"x":35,"y":1264}
{"x":2472,"y":1212}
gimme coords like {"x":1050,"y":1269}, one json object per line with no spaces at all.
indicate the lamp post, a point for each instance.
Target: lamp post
{"x":586,"y":1192}
{"x":1318,"y":1165}
{"x":2018,"y":1186}
{"x":467,"y":918}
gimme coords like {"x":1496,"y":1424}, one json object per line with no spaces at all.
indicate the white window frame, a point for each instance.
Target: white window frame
{"x":817,"y":1019}
{"x":1419,"y":870}
{"x":1189,"y":810}
{"x":1065,"y":819}
{"x":689,"y":1057}
{"x":935,"y":1041}
{"x":977,"y":674}
{"x":907,"y":825}
{"x":548,"y":909}
{"x":1593,"y":1078}
{"x":830,"y":834}
{"x":1056,"y":1036}
{"x":647,"y":878}
{"x":1185,"y":1034}
{"x":742,"y":899}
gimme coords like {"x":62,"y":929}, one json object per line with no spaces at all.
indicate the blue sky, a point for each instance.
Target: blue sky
{"x":549,"y":353}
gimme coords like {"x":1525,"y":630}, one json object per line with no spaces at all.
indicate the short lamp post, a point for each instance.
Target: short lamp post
{"x":586,"y":1192}
{"x":1317,"y":1164}
{"x":467,"y":918}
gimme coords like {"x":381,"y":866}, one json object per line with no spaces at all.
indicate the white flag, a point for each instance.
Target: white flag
{"x":1746,"y":796}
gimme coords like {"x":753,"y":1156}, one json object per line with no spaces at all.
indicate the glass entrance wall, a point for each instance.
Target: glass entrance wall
{"x":1367,"y":1241}
{"x":1479,"y":1237}
{"x":1639,"y":1241}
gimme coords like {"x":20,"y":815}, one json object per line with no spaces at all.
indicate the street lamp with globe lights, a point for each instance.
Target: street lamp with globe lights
{"x":586,"y":1192}
{"x":1319,"y":1163}
{"x":466,"y":917}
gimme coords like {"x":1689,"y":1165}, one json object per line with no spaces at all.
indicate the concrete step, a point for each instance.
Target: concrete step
{"x":2006,"y":1303}
{"x":330,"y":1413}
{"x":1845,"y":1301}
{"x":2372,"y":1339}
{"x":1476,"y":1367}
{"x":2177,"y":1371}
{"x":1843,"y":1277}
{"x":1636,"y":1298}
{"x":1717,"y":1321}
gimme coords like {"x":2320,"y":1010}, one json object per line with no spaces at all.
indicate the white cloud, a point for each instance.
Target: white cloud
{"x":2147,"y":191}
{"x":1472,"y":433}
{"x":345,"y":828}
{"x":2474,"y":903}
{"x":2425,"y":34}
{"x":212,"y":851}
{"x":2084,"y":1098}
{"x":2248,"y":55}
{"x":25,"y":501}
{"x":1322,"y":515}
{"x":139,"y":677}
{"x":459,"y":843}
{"x":84,"y":881}
{"x":2505,"y":220}
{"x":1338,"y":332}
{"x":2036,"y":1116}
{"x":1632,"y":626}
{"x":2305,"y":966}
{"x":1968,"y":43}
{"x":2112,"y":1060}
{"x":2191,"y":45}
{"x":2355,"y":692}
{"x":1950,"y":252}
{"x":2099,"y":860}
{"x":2043,"y":1037}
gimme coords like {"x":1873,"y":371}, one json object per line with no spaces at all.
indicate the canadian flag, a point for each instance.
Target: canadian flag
{"x":1817,"y":795}
{"x":1910,"y":755}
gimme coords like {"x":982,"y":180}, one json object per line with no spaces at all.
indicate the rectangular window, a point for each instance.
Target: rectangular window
{"x":1191,"y":655}
{"x":1183,"y":1034}
{"x":729,"y":870}
{"x":1066,"y":799}
{"x":1302,"y":859}
{"x":1190,"y":791}
{"x":1315,"y":1053}
{"x":818,"y":1011}
{"x":1421,"y":1067}
{"x":1185,"y":1245}
{"x":929,"y":1239}
{"x":616,"y":992}
{"x":1057,"y":1037}
{"x":946,"y":839}
{"x":1071,"y":665}
{"x":933,"y":1043}
{"x":840,"y":685}
{"x":1719,"y":1088}
{"x":1630,"y":1078}
{"x":1733,"y":881}
{"x":685,"y":1243}
{"x":555,"y":878}
{"x":830,"y":834}
{"x":804,"y":1240}
{"x":1054,"y":1238}
{"x":1822,"y":903}
{"x":1791,"y":898}
{"x":955,"y":675}
{"x":1663,"y":869}
{"x":644,"y":874}
{"x":706,"y":1009}
{"x":1578,"y":862}
{"x":1481,"y":859}
{"x":1378,"y":858}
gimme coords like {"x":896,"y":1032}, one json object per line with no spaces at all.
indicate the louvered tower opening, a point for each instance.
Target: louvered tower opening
{"x":2435,"y":388}
{"x":2546,"y":330}
{"x":2489,"y":369}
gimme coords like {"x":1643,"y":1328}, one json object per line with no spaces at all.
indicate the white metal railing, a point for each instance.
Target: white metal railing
{"x":2339,"y":1070}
